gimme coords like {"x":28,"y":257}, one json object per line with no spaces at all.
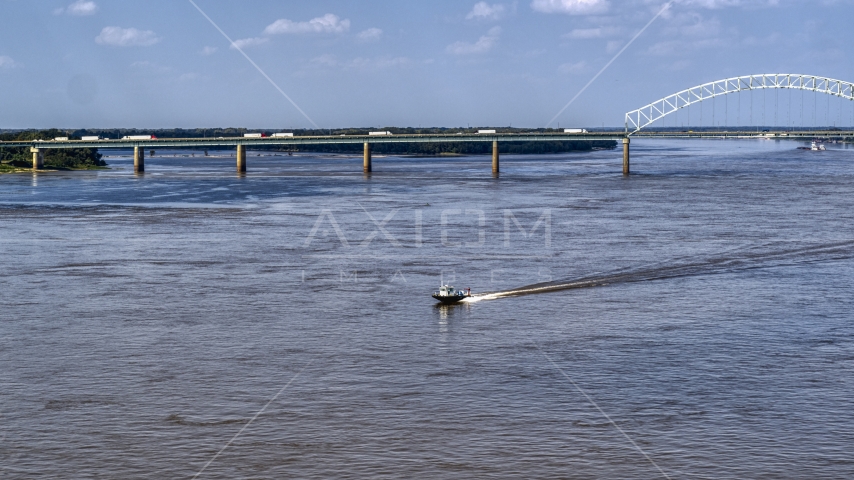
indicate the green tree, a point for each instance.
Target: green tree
{"x":54,"y":157}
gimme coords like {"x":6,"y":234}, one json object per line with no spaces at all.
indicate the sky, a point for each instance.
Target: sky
{"x":163,"y":64}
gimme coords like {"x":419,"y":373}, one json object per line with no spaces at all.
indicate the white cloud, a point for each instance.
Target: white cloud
{"x":7,"y":62}
{"x":209,"y":50}
{"x":361,"y":63}
{"x":82,"y":7}
{"x":249,"y":42}
{"x":485,"y":11}
{"x":587,"y":33}
{"x":79,"y":8}
{"x":380,"y":62}
{"x":126,"y":37}
{"x":665,"y":48}
{"x":328,"y":23}
{"x":163,"y":73}
{"x":150,"y":66}
{"x":770,"y":40}
{"x":370,"y":34}
{"x":731,"y":3}
{"x":574,"y":68}
{"x":710,"y":28}
{"x":679,"y":65}
{"x":188,"y":77}
{"x":584,"y":33}
{"x":669,"y":48}
{"x":571,"y":7}
{"x":613,"y":45}
{"x":325,"y":60}
{"x":693,"y":24}
{"x":483,"y":44}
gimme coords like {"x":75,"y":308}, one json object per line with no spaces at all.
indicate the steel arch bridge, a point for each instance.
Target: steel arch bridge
{"x":646,"y":115}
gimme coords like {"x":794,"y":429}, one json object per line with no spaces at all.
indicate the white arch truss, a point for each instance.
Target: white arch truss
{"x":644,"y":116}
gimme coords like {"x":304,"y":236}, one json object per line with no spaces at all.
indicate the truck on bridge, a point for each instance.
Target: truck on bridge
{"x":139,"y":137}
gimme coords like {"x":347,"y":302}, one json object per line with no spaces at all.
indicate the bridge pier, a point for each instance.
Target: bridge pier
{"x":495,"y":157}
{"x":626,"y":156}
{"x":241,"y":158}
{"x":38,"y":158}
{"x":367,"y":159}
{"x":138,"y":159}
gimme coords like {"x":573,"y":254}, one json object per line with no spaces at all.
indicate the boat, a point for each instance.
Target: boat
{"x":814,"y":146}
{"x":448,"y":295}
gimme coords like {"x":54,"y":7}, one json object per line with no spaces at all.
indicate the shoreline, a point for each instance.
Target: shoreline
{"x":7,"y":169}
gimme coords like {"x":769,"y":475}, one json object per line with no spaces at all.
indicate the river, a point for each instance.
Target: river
{"x":691,"y":321}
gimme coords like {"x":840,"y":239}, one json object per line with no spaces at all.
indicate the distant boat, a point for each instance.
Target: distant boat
{"x":448,"y":295}
{"x":815,"y":147}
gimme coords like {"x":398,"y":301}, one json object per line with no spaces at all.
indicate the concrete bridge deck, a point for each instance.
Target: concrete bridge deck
{"x":431,"y":138}
{"x":313,"y":140}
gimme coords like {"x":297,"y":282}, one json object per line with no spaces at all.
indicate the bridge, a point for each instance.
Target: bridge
{"x":635,"y":122}
{"x":648,"y":114}
{"x":241,"y":143}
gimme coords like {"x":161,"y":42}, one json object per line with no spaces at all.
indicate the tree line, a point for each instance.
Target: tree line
{"x":54,"y":157}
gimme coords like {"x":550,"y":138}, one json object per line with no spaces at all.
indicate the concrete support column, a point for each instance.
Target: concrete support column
{"x":241,"y":159}
{"x":367,"y":162}
{"x":626,"y":156}
{"x":495,"y":157}
{"x":138,"y":159}
{"x":38,"y":158}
